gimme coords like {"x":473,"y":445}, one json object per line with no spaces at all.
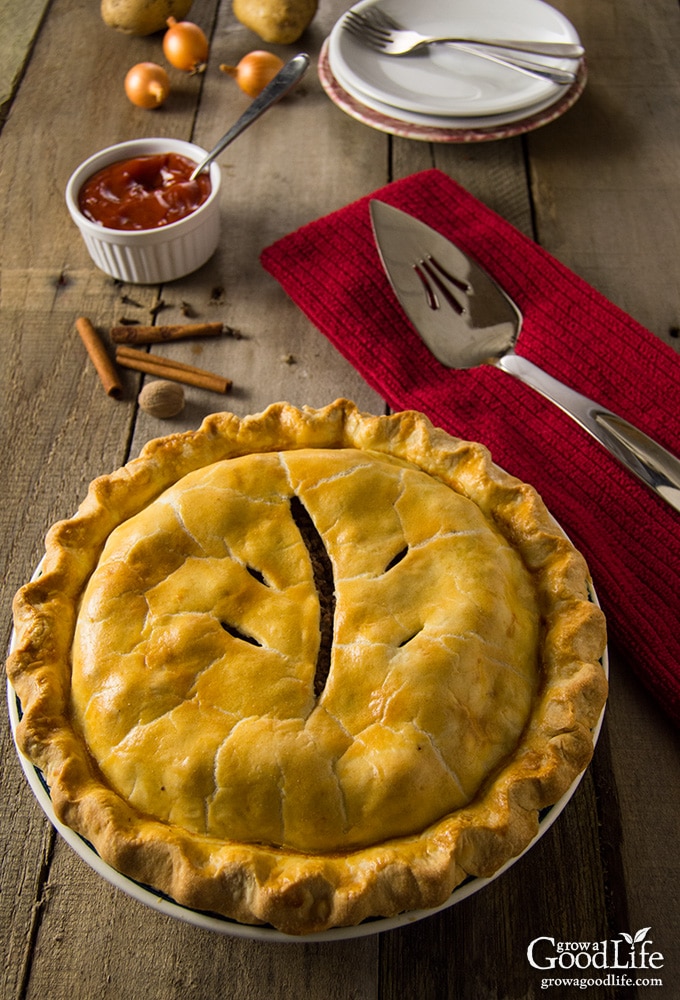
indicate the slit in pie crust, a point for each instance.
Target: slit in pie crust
{"x":309,"y":666}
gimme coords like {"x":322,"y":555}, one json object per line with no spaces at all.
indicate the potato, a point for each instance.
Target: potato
{"x":142,"y":17}
{"x":278,"y":22}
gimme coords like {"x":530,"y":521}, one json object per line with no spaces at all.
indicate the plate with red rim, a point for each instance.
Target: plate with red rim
{"x":454,"y":130}
{"x":442,"y":79}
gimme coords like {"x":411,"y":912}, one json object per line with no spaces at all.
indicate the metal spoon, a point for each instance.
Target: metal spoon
{"x":284,"y":81}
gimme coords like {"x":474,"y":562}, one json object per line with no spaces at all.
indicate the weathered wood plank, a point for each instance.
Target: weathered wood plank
{"x":111,"y":946}
{"x":646,"y":771}
{"x":27,"y":843}
{"x":60,"y":429}
{"x":20,"y":23}
{"x":494,"y":172}
{"x":606,"y":190}
{"x":605,"y":178}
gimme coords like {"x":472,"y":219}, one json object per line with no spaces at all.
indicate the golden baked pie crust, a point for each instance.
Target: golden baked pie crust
{"x":297,"y":818}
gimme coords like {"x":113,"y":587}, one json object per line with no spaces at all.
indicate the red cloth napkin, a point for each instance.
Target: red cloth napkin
{"x":630,"y":537}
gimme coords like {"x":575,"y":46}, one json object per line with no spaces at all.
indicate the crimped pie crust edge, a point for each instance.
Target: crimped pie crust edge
{"x":299,"y":893}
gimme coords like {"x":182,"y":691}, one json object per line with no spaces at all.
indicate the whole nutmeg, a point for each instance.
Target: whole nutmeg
{"x":162,"y":399}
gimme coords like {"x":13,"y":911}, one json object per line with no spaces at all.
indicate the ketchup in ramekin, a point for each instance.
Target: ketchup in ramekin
{"x":145,"y":192}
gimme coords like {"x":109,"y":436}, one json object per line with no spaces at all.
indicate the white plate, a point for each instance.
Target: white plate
{"x":443,"y":80}
{"x":223,"y":925}
{"x":442,"y":121}
{"x":393,"y":125}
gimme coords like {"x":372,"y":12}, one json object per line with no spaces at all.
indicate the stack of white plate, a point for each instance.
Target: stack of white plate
{"x":442,"y":93}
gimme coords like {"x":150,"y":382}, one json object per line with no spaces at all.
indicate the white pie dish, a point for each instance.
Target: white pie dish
{"x":162,"y":903}
{"x":225,"y":750}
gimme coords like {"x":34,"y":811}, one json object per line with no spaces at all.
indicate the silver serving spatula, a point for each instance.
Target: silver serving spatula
{"x":466,"y":320}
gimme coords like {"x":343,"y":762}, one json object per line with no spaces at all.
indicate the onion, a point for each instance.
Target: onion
{"x":185,"y":46}
{"x":254,"y":71}
{"x":147,"y":85}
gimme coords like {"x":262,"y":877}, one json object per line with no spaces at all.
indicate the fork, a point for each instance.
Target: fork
{"x":380,"y":32}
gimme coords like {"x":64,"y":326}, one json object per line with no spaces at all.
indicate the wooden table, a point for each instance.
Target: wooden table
{"x":598,"y":188}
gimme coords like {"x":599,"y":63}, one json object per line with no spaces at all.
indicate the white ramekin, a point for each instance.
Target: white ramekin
{"x":149,"y":256}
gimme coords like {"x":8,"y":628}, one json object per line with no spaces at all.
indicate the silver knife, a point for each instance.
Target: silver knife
{"x":466,"y":319}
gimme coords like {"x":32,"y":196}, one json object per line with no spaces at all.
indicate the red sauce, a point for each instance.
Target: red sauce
{"x":144,"y":193}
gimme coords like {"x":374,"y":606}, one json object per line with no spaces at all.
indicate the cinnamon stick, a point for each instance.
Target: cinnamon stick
{"x":100,"y":359}
{"x":176,"y":371}
{"x":161,"y":334}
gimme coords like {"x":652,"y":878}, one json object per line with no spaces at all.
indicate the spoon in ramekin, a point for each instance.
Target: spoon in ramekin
{"x":284,"y":81}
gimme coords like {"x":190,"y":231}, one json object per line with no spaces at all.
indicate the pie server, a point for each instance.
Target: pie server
{"x":466,"y":320}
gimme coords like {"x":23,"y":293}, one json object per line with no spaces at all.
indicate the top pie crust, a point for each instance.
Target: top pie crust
{"x":309,"y":666}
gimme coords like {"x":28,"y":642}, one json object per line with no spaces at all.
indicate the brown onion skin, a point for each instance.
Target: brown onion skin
{"x":147,"y":85}
{"x":254,"y":71}
{"x":185,"y":46}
